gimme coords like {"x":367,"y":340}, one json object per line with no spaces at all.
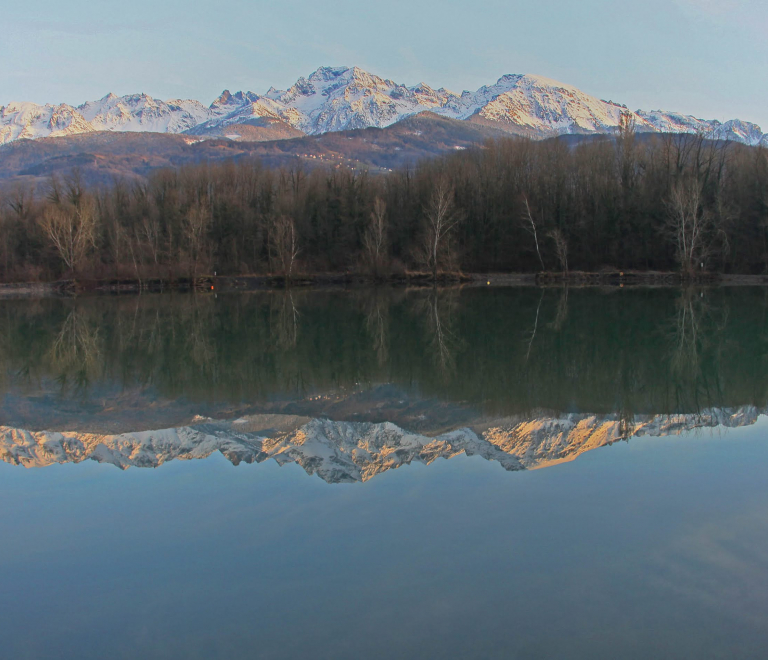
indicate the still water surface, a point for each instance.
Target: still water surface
{"x":605,"y":493}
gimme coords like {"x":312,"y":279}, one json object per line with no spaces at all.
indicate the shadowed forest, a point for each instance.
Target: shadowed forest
{"x":667,"y":203}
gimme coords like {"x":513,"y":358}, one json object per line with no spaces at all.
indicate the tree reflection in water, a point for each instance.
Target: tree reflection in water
{"x":502,"y":351}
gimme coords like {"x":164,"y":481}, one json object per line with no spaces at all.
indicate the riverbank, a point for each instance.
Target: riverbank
{"x":227,"y":283}
{"x":409,"y":279}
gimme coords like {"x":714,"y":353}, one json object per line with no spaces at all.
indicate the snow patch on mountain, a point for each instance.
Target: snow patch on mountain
{"x":20,"y":121}
{"x":545,"y":106}
{"x":140,"y":112}
{"x":341,"y":98}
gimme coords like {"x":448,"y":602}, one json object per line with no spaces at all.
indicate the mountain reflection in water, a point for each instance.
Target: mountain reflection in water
{"x":348,"y":451}
{"x":331,"y":379}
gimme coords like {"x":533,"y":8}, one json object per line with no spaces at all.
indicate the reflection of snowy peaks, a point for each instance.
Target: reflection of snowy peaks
{"x":351,"y":451}
{"x":341,"y":98}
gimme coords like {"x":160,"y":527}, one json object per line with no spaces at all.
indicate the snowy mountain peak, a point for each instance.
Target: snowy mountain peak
{"x":229,"y":100}
{"x":533,"y":80}
{"x":543,"y":106}
{"x":333,"y":77}
{"x":508,"y":80}
{"x":224,"y":99}
{"x":327,"y":73}
{"x":342,"y":98}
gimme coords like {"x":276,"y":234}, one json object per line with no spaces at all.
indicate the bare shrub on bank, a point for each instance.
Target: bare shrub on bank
{"x":196,"y":227}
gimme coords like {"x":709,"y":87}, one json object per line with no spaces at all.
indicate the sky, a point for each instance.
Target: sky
{"x":708,"y":58}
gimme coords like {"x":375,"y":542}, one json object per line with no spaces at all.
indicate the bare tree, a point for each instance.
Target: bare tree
{"x":529,"y":225}
{"x":626,"y":151}
{"x":626,"y":127}
{"x":133,"y":247}
{"x":764,"y":231}
{"x":21,"y":200}
{"x":441,"y":218}
{"x":561,"y":248}
{"x":5,"y":232}
{"x":284,"y":244}
{"x":150,"y":230}
{"x":375,"y":237}
{"x":196,"y":226}
{"x":115,"y":238}
{"x":72,"y":230}
{"x":688,"y":224}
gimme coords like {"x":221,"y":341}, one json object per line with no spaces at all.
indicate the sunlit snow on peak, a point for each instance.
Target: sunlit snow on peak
{"x":342,"y":98}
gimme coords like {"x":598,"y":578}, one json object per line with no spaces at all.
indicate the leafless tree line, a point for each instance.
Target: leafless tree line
{"x":628,"y":201}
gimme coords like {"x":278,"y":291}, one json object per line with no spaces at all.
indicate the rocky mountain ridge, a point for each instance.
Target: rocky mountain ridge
{"x":346,"y":98}
{"x":339,"y":451}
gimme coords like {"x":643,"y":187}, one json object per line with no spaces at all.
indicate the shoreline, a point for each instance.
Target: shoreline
{"x":234,"y":283}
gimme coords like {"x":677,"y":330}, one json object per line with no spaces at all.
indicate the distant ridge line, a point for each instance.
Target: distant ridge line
{"x":345,"y":98}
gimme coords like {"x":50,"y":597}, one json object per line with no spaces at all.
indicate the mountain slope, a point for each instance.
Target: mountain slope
{"x":335,"y":99}
{"x":100,"y":155}
{"x":140,"y":112}
{"x":20,"y":121}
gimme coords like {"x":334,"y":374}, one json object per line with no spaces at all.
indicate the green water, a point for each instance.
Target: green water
{"x":478,"y":351}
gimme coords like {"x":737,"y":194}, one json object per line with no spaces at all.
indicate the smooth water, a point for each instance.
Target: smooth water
{"x":605,"y":493}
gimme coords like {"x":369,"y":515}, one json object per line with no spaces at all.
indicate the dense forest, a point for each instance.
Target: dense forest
{"x":629,"y":201}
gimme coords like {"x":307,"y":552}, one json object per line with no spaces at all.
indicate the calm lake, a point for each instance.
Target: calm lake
{"x":468,"y":473}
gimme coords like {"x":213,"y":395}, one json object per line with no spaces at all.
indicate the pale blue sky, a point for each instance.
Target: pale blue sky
{"x":703,"y":57}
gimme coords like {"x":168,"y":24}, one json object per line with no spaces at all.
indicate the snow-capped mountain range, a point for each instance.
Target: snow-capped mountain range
{"x":339,"y":451}
{"x":342,"y":98}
